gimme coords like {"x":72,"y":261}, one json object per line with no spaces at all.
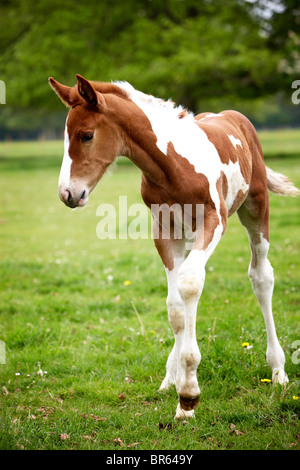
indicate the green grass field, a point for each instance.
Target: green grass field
{"x":65,"y":309}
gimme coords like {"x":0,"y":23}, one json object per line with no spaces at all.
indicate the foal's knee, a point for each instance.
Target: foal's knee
{"x":176,"y":316}
{"x":190,"y":284}
{"x":260,"y":270}
{"x":262,"y":277}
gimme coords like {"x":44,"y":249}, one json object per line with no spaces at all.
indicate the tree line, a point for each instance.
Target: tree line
{"x":206,"y":54}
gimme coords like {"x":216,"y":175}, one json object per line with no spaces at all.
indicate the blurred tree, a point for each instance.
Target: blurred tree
{"x":192,"y":51}
{"x":285,"y":34}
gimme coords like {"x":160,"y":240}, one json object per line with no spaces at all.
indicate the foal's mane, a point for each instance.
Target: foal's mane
{"x":157,"y":104}
{"x":102,"y":87}
{"x":126,"y":91}
{"x":106,"y":87}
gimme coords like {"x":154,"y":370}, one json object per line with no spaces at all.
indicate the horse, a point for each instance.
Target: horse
{"x":212,"y":160}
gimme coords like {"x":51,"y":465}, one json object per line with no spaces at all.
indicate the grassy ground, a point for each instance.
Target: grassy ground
{"x":66,"y":310}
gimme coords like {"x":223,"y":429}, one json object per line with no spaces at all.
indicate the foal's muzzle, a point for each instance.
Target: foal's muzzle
{"x":73,"y":198}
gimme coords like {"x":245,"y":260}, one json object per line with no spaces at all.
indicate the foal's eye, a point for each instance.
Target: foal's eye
{"x":87,"y":137}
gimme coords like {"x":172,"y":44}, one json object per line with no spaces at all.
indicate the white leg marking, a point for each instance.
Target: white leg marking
{"x":190,"y":284}
{"x":262,"y":280}
{"x":191,"y":276}
{"x":175,"y":309}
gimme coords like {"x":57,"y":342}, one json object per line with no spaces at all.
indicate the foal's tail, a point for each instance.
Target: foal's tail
{"x":280,"y":184}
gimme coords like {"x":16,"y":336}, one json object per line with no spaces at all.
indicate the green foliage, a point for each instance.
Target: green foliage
{"x":207,"y":56}
{"x":188,"y":50}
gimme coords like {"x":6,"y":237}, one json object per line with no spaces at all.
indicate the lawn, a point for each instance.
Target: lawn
{"x":85,"y":327}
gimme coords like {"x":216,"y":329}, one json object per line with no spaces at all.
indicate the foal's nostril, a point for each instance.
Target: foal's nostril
{"x":69,"y":195}
{"x":73,"y":199}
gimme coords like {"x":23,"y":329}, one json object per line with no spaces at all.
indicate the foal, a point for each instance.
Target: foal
{"x":212,"y":160}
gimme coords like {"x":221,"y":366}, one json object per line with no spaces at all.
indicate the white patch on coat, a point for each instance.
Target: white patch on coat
{"x":235,"y":181}
{"x":210,"y":115}
{"x":191,"y":142}
{"x":234,"y":141}
{"x":65,"y":171}
{"x":163,"y":115}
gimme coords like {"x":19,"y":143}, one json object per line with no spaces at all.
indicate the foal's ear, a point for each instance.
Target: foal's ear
{"x":89,"y":94}
{"x":63,"y":91}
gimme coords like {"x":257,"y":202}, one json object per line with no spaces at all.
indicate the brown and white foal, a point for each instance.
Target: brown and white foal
{"x":214,"y":160}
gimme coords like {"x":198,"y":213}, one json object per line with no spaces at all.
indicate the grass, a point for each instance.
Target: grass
{"x":280,"y":143}
{"x":65,"y":309}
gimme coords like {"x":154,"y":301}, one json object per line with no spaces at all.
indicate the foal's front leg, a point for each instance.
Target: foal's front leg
{"x":190,"y":283}
{"x":172,"y":254}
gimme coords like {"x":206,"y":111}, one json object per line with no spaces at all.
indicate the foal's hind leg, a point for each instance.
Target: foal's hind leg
{"x":262,"y":279}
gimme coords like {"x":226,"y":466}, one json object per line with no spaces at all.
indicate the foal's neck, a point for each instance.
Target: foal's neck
{"x":148,"y":125}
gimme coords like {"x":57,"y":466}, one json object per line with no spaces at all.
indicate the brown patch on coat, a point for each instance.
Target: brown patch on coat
{"x":197,"y":188}
{"x":181,"y":183}
{"x":254,"y":212}
{"x":255,"y":240}
{"x":188,"y":186}
{"x":218,"y":128}
{"x":164,"y":249}
{"x":222,"y":188}
{"x":239,"y":199}
{"x":220,"y":141}
{"x":211,"y":222}
{"x":194,"y":189}
{"x":183,"y":114}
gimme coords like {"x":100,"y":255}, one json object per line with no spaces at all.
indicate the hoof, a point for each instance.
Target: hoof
{"x":187,"y":403}
{"x":183,"y":415}
{"x":167,"y":383}
{"x":279,"y":377}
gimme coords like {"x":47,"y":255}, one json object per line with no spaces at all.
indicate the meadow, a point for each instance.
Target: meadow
{"x":84,"y":325}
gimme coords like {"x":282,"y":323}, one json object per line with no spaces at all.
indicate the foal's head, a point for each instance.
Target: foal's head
{"x":92,"y":141}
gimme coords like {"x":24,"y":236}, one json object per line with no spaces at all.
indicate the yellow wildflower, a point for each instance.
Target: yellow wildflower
{"x":295,"y":397}
{"x":244,"y":345}
{"x":127,"y":283}
{"x":266,"y":380}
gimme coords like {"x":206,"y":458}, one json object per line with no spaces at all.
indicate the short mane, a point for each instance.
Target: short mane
{"x":148,"y":101}
{"x":105,"y":87}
